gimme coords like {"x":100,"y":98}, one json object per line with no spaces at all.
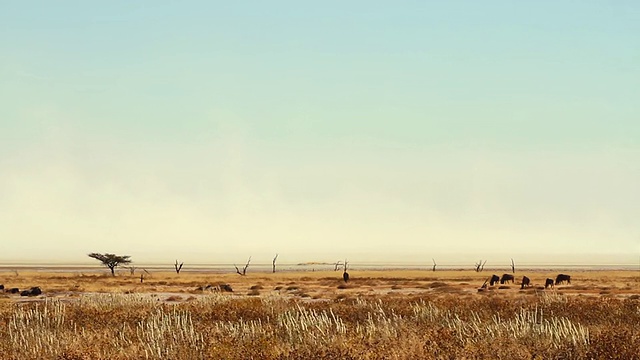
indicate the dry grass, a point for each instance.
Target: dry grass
{"x":427,"y":316}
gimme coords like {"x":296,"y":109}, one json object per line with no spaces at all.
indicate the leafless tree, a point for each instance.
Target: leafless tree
{"x":345,"y":274}
{"x":480,"y":265}
{"x":178,"y":266}
{"x":274,"y":263}
{"x":132,"y":270}
{"x":513,"y":267}
{"x":434,"y":264}
{"x":337,"y":265}
{"x":244,"y":270}
{"x":484,"y":285}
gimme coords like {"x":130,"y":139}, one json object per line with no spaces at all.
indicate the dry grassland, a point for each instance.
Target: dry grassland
{"x":315,"y":315}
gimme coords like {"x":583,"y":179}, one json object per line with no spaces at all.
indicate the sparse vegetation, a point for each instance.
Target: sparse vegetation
{"x":112,"y":261}
{"x":224,"y":327}
{"x":426,"y":317}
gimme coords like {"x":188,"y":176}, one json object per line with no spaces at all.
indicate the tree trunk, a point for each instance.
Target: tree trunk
{"x":113,"y":273}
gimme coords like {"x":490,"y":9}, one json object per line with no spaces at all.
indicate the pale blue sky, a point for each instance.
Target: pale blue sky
{"x":369,"y":130}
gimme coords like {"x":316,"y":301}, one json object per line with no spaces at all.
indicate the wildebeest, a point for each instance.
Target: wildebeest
{"x":562,"y":278}
{"x":13,"y":290}
{"x":34,"y":291}
{"x":548,"y":283}
{"x":494,"y":279}
{"x":525,"y":282}
{"x":505,"y":278}
{"x":345,"y":276}
{"x":225,"y":288}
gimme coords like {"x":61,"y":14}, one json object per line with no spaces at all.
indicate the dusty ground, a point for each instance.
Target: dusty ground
{"x":312,"y":286}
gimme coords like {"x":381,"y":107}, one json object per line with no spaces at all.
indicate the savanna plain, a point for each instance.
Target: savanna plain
{"x":377,"y":314}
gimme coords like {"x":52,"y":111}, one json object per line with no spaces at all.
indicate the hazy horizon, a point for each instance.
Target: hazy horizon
{"x":357,"y":130}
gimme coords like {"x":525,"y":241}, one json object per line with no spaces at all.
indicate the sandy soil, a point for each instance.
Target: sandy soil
{"x":313,"y":286}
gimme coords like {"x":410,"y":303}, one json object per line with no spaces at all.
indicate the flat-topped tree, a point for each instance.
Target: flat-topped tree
{"x":111,"y":260}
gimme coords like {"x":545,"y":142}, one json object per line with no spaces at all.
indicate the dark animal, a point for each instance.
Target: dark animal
{"x":13,"y":291}
{"x":548,"y":283}
{"x":1,"y":287}
{"x":562,"y":278}
{"x":525,"y":282}
{"x":505,"y":278}
{"x":494,"y":280}
{"x":225,"y":288}
{"x":34,"y":291}
{"x":345,"y":276}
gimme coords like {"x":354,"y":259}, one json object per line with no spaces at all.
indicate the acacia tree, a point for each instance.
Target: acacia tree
{"x":111,"y":260}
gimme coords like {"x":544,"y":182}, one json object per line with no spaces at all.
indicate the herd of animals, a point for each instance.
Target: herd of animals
{"x":549,"y":283}
{"x":494,"y":279}
{"x":34,"y":291}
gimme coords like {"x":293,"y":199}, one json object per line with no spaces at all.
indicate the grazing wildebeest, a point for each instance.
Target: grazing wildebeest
{"x":525,"y":282}
{"x":505,"y":278}
{"x":225,"y":288}
{"x":13,"y":290}
{"x":345,"y":276}
{"x":548,"y":283}
{"x":34,"y":291}
{"x":562,"y":278}
{"x":494,"y":279}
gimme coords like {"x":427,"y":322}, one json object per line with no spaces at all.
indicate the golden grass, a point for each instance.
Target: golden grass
{"x":311,"y":315}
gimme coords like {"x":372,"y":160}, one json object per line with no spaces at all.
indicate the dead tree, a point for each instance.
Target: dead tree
{"x":434,"y":264}
{"x":513,"y":267}
{"x":480,"y":265}
{"x":244,"y":270}
{"x":345,"y":274}
{"x":337,"y":265}
{"x":132,"y":270}
{"x":484,"y":285}
{"x":178,"y":267}
{"x":273,"y":264}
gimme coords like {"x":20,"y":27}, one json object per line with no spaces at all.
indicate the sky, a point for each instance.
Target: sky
{"x":374,"y":131}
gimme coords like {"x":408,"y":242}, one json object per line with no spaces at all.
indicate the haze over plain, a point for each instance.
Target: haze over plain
{"x":214,"y":131}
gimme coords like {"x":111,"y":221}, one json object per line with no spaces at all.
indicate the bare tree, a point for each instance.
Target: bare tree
{"x":274,"y":263}
{"x":337,"y":265}
{"x":484,"y":285}
{"x":132,"y":270}
{"x":480,"y":265}
{"x":345,"y":274}
{"x":111,"y":260}
{"x":513,"y":266}
{"x":434,"y":264}
{"x":178,"y":267}
{"x":244,"y":270}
